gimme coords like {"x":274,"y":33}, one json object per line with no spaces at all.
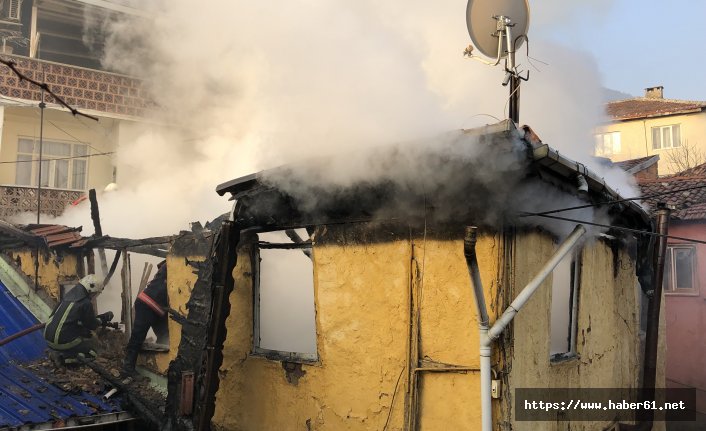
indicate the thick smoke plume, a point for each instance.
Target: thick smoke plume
{"x":241,"y":86}
{"x":245,"y":86}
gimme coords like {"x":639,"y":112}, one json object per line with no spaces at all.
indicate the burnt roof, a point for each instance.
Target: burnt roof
{"x":42,"y":235}
{"x":646,"y":107}
{"x":460,"y":190}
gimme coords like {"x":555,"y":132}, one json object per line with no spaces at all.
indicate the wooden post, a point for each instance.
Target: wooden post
{"x":95,"y":216}
{"x":146,"y":271}
{"x":126,"y":315}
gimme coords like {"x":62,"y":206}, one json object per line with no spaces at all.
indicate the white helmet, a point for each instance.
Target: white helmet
{"x":91,"y":283}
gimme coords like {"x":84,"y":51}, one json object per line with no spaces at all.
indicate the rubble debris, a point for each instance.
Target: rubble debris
{"x":80,"y":378}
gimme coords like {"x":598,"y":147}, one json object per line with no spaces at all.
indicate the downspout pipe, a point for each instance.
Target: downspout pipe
{"x":469,"y":251}
{"x":649,"y":370}
{"x":487,"y":335}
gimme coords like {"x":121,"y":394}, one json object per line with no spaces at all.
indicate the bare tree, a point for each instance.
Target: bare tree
{"x":684,"y":157}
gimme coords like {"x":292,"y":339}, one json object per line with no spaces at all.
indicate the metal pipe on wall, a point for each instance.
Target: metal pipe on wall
{"x":488,"y":335}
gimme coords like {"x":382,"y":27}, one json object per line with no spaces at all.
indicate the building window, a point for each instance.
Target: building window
{"x":666,"y":137}
{"x":679,"y":269}
{"x":284,"y":326}
{"x":566,"y":279}
{"x":64,"y":164}
{"x":607,"y":144}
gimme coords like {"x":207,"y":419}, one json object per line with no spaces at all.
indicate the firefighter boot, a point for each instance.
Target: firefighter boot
{"x":129,"y":362}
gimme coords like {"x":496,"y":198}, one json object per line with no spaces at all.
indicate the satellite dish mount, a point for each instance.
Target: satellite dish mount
{"x":499,"y":35}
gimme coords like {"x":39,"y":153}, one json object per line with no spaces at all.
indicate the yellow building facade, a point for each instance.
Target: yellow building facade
{"x":653,"y":125}
{"x":397,"y":335}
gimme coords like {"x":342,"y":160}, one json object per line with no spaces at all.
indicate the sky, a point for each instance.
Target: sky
{"x":638,"y":43}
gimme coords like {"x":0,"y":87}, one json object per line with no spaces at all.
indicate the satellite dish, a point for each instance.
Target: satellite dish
{"x":483,"y":19}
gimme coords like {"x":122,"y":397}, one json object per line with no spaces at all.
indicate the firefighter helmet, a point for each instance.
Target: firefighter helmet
{"x":91,"y":283}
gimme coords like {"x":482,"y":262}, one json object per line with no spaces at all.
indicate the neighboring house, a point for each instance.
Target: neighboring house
{"x":652,"y":125}
{"x":684,"y":277}
{"x":350,"y":307}
{"x":45,"y":39}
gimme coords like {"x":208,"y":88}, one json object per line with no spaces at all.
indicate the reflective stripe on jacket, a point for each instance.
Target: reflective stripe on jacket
{"x":147,"y":300}
{"x":72,"y":320}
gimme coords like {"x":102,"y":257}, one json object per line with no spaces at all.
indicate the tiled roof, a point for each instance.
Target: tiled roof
{"x":633,"y":165}
{"x":697,"y":171}
{"x":644,"y":107}
{"x":56,"y":235}
{"x":689,"y":204}
{"x":51,"y":235}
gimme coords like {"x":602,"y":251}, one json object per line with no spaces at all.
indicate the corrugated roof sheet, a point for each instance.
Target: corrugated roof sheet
{"x":645,"y":107}
{"x":24,"y":397}
{"x":27,"y":399}
{"x":14,"y":317}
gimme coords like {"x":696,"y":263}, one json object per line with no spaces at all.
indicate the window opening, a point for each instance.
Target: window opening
{"x":284,"y":310}
{"x":564,"y":307}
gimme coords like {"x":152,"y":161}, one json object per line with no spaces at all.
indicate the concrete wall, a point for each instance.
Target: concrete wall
{"x":363,"y":291}
{"x":636,"y":137}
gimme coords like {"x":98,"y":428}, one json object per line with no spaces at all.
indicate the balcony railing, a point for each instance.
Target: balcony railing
{"x":18,"y":199}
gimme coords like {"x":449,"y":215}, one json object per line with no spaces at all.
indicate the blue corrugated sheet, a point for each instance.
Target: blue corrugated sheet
{"x":24,"y":397}
{"x":15,"y":317}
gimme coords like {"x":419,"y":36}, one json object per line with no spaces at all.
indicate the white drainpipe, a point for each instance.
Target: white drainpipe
{"x":488,"y":335}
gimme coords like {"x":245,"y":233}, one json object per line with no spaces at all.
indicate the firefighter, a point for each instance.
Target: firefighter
{"x":151,"y":308}
{"x":69,"y":329}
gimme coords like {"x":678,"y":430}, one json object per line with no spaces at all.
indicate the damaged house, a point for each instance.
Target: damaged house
{"x":349,"y":305}
{"x":38,"y":265}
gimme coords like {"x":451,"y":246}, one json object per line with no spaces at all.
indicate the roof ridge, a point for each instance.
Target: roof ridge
{"x":675,"y":178}
{"x":646,"y":99}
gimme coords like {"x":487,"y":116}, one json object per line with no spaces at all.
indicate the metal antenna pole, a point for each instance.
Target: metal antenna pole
{"x":42,"y":105}
{"x":514,"y":109}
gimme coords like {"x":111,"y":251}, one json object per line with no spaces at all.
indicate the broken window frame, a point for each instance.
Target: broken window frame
{"x":278,"y":355}
{"x":669,"y":282}
{"x":575,"y":275}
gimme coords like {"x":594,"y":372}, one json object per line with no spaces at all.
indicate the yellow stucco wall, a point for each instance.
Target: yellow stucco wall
{"x":180,"y":282}
{"x":608,"y":325}
{"x":636,"y":137}
{"x":52,"y":270}
{"x":362,"y":294}
{"x":59,"y":126}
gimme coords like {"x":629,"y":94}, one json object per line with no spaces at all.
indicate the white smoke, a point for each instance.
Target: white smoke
{"x":243,"y":86}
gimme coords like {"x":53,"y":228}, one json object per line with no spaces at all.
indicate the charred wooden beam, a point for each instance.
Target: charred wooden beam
{"x":95,"y":216}
{"x":126,"y":243}
{"x":283,"y":246}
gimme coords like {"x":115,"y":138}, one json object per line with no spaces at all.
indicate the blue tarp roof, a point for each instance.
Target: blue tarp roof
{"x":25,"y":398}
